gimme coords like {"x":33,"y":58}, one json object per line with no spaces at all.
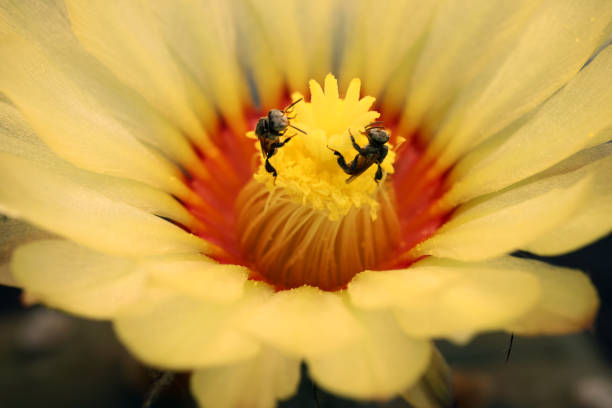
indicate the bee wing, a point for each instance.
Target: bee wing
{"x":363,"y":163}
{"x":265,"y":146}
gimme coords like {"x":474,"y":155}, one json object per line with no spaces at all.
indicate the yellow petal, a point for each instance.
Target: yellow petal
{"x":68,"y":112}
{"x":47,"y":24}
{"x":267,"y":74}
{"x":552,"y":48}
{"x":502,"y":222}
{"x":291,"y":44}
{"x":454,"y":53}
{"x":56,"y":203}
{"x":437,"y":297}
{"x":604,"y":136}
{"x":372,"y":52}
{"x":17,"y":138}
{"x":568,"y":300}
{"x":593,"y":219}
{"x":434,"y":389}
{"x":254,"y":383}
{"x":43,"y":22}
{"x":77,"y":279}
{"x":193,"y":43}
{"x":378,"y":366}
{"x":170,"y":330}
{"x":294,"y":321}
{"x":6,"y":278}
{"x":125,"y":36}
{"x":198,"y":276}
{"x":569,"y":121}
{"x":14,"y":233}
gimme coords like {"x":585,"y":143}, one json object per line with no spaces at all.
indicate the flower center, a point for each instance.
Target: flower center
{"x":319,"y":207}
{"x":305,"y":219}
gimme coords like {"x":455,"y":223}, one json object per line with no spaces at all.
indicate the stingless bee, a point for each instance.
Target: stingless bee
{"x":374,"y":152}
{"x":269,"y":131}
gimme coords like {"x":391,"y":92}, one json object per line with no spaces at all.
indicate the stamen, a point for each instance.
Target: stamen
{"x":291,"y":245}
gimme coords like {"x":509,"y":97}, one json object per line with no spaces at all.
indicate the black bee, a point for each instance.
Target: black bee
{"x":269,"y":131}
{"x":374,"y":152}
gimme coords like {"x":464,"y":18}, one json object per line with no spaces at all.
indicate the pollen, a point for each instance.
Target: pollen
{"x":307,"y":170}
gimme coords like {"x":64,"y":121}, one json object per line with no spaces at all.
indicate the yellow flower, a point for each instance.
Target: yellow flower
{"x":124,"y":133}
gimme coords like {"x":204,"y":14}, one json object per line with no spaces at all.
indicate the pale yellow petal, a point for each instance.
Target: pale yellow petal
{"x":437,"y":297}
{"x":171,"y":330}
{"x":379,"y":38}
{"x":76,"y":279}
{"x":378,"y":366}
{"x":454,"y":53}
{"x":502,"y":222}
{"x":14,"y":233}
{"x":552,"y":48}
{"x":56,"y":99}
{"x":17,"y":138}
{"x":125,"y":36}
{"x":568,"y":300}
{"x":6,"y":277}
{"x":434,"y":389}
{"x":198,"y":276}
{"x":570,"y":120}
{"x":195,"y":31}
{"x":267,"y":76}
{"x":593,"y":219}
{"x":47,"y":24}
{"x":304,"y":321}
{"x":43,"y":22}
{"x":292,"y":43}
{"x":604,"y":136}
{"x":256,"y":383}
{"x":56,"y":203}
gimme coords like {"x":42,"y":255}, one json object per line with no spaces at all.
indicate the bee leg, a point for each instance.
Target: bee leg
{"x":379,"y":174}
{"x":341,"y":160}
{"x":272,"y":152}
{"x":278,"y":144}
{"x":270,"y":168}
{"x":355,"y":145}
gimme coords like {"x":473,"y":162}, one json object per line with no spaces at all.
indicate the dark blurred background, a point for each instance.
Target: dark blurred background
{"x":50,"y":359}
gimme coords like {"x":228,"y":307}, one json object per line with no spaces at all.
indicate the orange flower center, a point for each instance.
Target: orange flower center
{"x":307,"y":226}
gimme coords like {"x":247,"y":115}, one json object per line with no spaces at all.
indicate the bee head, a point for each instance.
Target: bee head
{"x":377,"y":135}
{"x":278,"y":121}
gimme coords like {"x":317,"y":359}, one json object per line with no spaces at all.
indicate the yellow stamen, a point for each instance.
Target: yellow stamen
{"x":308,"y":172}
{"x":290,"y":245}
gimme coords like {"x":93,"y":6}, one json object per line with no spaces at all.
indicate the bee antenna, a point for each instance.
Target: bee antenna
{"x":374,"y":123}
{"x":291,"y":106}
{"x":298,"y":129}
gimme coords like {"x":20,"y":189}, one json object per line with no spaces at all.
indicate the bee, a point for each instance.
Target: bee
{"x":269,"y":131}
{"x":374,"y":153}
